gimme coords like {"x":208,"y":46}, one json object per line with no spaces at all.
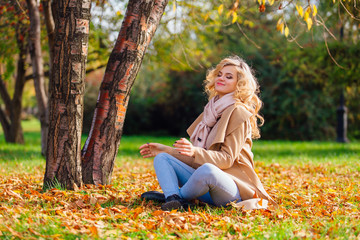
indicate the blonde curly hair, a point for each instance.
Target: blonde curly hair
{"x":247,"y":89}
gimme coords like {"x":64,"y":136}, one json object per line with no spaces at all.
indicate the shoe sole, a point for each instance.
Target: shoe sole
{"x":168,"y":206}
{"x":153,"y":196}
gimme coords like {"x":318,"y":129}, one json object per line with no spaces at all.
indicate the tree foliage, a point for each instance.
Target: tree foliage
{"x":300,"y":77}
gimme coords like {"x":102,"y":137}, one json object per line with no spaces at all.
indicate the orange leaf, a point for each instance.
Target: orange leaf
{"x":137,"y":211}
{"x":260,"y":202}
{"x":262,"y":8}
{"x":157,"y":213}
{"x":94,"y":231}
{"x":115,"y":209}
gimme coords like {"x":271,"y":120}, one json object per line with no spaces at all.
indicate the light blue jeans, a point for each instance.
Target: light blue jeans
{"x":207,"y":183}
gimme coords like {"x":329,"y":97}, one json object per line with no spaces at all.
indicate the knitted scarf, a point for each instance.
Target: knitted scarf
{"x":212,"y":112}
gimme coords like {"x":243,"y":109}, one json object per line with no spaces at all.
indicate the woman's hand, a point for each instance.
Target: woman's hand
{"x":184,"y":147}
{"x":149,"y":150}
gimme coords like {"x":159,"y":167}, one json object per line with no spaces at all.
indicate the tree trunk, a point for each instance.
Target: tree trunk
{"x":15,"y":116}
{"x":38,"y":71}
{"x":11,"y":118}
{"x":50,"y":29}
{"x":98,"y":156}
{"x":63,"y":157}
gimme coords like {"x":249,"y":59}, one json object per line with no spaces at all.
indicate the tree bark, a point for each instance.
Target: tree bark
{"x":38,"y":71}
{"x":98,"y":156}
{"x":63,"y":157}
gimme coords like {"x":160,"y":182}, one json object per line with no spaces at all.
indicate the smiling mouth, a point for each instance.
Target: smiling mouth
{"x":221,"y":84}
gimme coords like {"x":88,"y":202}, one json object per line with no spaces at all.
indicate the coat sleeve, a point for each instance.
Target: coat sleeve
{"x":228,"y":151}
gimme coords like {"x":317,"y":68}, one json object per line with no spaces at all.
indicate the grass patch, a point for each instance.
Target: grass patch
{"x":317,"y":182}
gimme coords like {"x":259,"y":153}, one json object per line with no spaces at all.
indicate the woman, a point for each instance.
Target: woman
{"x":217,"y":165}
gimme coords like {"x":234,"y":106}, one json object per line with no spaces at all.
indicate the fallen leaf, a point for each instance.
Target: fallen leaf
{"x":14,"y":194}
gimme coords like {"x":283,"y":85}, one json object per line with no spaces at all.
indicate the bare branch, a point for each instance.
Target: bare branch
{"x":46,"y":74}
{"x":241,"y":30}
{"x":328,"y":50}
{"x":323,"y":24}
{"x":351,"y":15}
{"x":22,"y":9}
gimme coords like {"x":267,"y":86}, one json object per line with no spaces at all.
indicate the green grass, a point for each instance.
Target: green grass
{"x":316,"y":181}
{"x":282,"y":152}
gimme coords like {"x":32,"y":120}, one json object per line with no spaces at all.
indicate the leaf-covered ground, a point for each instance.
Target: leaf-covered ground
{"x":316,"y":185}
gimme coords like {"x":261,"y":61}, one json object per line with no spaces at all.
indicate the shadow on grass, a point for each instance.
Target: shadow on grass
{"x":31,"y":150}
{"x":28,"y":155}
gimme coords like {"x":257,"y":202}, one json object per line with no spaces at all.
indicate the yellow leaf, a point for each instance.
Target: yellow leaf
{"x":234,"y":17}
{"x":206,"y":17}
{"x":300,"y":10}
{"x":280,"y":27}
{"x":248,"y":23}
{"x":174,"y":6}
{"x":306,"y":16}
{"x":308,"y":9}
{"x":286,"y":31}
{"x":314,"y":10}
{"x":309,"y":23}
{"x":118,"y":13}
{"x":271,"y":2}
{"x":14,"y":194}
{"x":259,"y":1}
{"x":221,"y":9}
{"x":263,"y":2}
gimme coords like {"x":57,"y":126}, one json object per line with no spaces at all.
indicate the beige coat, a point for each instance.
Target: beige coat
{"x":228,"y":147}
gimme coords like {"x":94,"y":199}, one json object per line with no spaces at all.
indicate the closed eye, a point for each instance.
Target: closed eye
{"x":229,"y":76}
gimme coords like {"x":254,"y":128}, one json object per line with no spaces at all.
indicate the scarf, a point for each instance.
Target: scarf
{"x":212,"y":112}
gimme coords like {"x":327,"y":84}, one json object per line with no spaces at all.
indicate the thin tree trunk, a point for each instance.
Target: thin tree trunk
{"x":4,"y":117}
{"x":63,"y":157}
{"x":15,"y":127}
{"x":141,"y":20}
{"x":11,"y":121}
{"x":38,"y":71}
{"x":50,"y":29}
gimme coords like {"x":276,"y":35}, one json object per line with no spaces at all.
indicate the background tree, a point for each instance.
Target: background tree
{"x":13,"y":14}
{"x":38,"y":69}
{"x":14,"y":23}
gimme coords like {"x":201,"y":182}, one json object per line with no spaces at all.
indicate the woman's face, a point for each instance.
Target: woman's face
{"x":226,"y":80}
